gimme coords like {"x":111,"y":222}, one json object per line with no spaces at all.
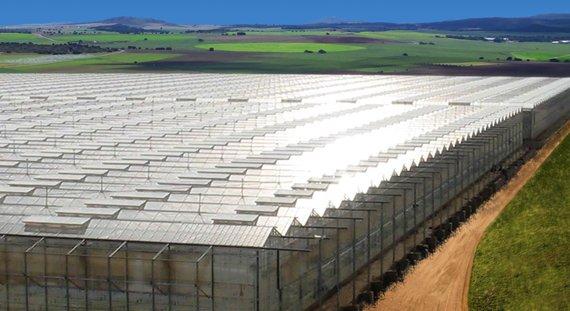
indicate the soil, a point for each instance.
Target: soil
{"x":344,"y":39}
{"x":441,"y":282}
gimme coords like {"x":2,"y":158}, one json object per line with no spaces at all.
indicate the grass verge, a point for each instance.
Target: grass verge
{"x":523,"y":262}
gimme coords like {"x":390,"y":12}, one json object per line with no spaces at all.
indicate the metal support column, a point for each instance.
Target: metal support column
{"x":67,"y":281}
{"x":197,"y":278}
{"x":26,"y":276}
{"x":109,"y":276}
{"x":6,"y":274}
{"x":257,"y":279}
{"x":278,"y":279}
{"x":152,"y":280}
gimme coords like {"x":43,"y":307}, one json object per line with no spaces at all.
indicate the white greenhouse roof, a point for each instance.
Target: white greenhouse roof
{"x":223,"y":159}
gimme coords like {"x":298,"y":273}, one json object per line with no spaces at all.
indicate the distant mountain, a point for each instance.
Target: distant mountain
{"x":355,"y":26}
{"x":544,"y":23}
{"x":120,"y":28}
{"x":539,"y":23}
{"x":553,"y":16}
{"x":135,"y":22}
{"x":553,"y":23}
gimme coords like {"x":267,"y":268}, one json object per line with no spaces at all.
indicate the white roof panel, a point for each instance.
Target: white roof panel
{"x":168,"y":158}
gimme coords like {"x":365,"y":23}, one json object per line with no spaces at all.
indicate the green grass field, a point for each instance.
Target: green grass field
{"x":22,"y":38}
{"x":523,"y":262}
{"x":97,"y":63}
{"x":5,"y":57}
{"x":401,"y":35}
{"x":116,"y":37}
{"x":280,"y":47}
{"x":283,"y":32}
{"x":541,"y":55}
{"x":274,"y":50}
{"x":115,"y":40}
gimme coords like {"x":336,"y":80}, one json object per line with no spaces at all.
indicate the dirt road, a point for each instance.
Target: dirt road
{"x":441,"y":282}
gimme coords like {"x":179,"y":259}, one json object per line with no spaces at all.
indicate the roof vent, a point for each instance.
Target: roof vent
{"x":56,"y":224}
{"x":231,"y":219}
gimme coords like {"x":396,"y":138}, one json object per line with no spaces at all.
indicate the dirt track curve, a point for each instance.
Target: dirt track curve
{"x":441,"y":282}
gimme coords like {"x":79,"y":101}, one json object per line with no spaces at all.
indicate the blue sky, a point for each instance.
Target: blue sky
{"x":270,"y":11}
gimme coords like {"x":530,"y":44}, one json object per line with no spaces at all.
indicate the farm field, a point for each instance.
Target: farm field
{"x":523,"y":262}
{"x":278,"y":47}
{"x":177,"y":41}
{"x":23,"y":38}
{"x":282,"y":51}
{"x":541,"y":55}
{"x":110,"y":62}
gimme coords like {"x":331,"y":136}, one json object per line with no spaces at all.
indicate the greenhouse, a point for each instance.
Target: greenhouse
{"x":241,"y":192}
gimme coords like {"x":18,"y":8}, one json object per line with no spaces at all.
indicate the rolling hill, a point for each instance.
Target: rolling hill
{"x":557,"y":23}
{"x":135,"y":22}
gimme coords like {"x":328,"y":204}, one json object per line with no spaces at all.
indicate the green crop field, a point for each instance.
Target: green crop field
{"x":9,"y":57}
{"x":401,"y":35}
{"x":542,"y":55}
{"x":523,"y":262}
{"x":116,"y":40}
{"x":283,"y":32}
{"x":123,"y":38}
{"x":22,"y":38}
{"x":278,"y":47}
{"x":101,"y":63}
{"x":275,"y":50}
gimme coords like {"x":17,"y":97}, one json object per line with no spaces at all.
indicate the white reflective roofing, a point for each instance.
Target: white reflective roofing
{"x":239,"y":88}
{"x":223,"y":159}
